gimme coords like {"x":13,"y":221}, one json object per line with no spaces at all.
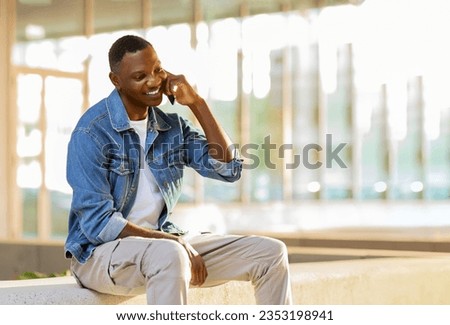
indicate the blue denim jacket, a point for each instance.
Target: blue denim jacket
{"x":103,"y":165}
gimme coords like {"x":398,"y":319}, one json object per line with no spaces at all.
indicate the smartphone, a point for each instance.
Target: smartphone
{"x":171,"y":99}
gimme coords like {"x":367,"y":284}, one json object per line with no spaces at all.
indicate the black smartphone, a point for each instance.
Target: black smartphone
{"x":171,"y":99}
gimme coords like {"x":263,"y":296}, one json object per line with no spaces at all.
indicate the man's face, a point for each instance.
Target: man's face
{"x":140,"y":80}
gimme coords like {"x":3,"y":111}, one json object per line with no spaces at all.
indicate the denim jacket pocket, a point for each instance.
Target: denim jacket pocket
{"x":121,"y":166}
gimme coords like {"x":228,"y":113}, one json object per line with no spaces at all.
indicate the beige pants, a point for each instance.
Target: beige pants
{"x":160,"y":268}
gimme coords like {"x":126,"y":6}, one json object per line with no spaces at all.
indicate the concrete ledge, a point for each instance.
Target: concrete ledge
{"x":65,"y":291}
{"x":370,"y":281}
{"x":384,"y":281}
{"x":56,"y":291}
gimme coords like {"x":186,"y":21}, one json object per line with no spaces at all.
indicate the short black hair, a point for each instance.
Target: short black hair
{"x":125,"y":44}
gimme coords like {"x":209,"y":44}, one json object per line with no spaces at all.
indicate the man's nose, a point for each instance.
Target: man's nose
{"x":150,"y":81}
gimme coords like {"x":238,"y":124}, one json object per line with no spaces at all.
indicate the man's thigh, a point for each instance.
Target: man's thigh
{"x":234,"y":257}
{"x":116,"y":267}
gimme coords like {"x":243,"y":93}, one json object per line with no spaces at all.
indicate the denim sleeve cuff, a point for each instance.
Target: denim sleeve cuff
{"x":113,"y":228}
{"x":229,"y":169}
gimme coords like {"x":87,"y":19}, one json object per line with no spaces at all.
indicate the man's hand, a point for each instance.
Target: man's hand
{"x":221,"y":147}
{"x":198,"y":267}
{"x":179,"y":87}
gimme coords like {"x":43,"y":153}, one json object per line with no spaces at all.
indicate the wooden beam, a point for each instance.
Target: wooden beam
{"x":89,"y":28}
{"x":10,"y":207}
{"x":146,"y":13}
{"x":44,"y":217}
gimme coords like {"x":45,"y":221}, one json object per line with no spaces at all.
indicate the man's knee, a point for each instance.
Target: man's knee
{"x":275,"y":248}
{"x":174,"y":251}
{"x":171,"y":257}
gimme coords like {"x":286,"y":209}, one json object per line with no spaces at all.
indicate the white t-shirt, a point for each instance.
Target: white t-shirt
{"x":149,"y":202}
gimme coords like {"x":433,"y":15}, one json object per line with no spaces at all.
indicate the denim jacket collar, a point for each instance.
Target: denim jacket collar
{"x":156,"y":120}
{"x":119,"y":117}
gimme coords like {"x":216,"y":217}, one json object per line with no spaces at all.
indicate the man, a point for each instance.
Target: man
{"x":125,"y":166}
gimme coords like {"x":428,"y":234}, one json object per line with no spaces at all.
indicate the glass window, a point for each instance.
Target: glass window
{"x":45,"y":122}
{"x":262,"y":78}
{"x":336,"y":149}
{"x":62,"y":115}
{"x":374,"y":161}
{"x":305,"y":100}
{"x":66,"y":54}
{"x":29,"y":147}
{"x":436,"y":142}
{"x":388,"y":107}
{"x":220,"y":83}
{"x":100,"y":85}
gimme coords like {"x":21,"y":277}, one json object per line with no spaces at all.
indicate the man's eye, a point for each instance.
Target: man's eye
{"x":139,"y":77}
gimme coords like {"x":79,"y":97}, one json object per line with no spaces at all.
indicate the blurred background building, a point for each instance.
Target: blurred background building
{"x":341,"y":108}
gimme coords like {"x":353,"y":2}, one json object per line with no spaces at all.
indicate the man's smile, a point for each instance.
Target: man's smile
{"x":153,"y":92}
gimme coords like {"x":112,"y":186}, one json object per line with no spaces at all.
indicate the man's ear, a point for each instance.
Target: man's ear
{"x":114,"y":79}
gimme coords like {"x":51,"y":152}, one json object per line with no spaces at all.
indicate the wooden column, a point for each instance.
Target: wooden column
{"x":146,"y":14}
{"x":10,"y":217}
